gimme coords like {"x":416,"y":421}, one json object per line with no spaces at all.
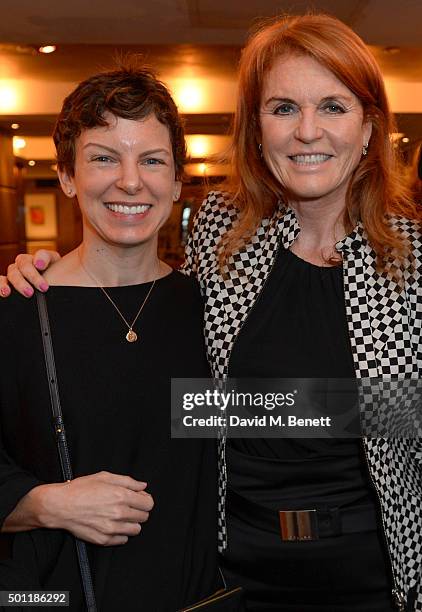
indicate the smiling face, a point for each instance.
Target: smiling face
{"x":312,"y":130}
{"x":124,"y":178}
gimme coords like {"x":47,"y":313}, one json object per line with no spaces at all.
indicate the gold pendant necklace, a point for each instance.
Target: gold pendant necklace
{"x":131,"y":335}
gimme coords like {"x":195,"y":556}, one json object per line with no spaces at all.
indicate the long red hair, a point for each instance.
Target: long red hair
{"x":377,"y":187}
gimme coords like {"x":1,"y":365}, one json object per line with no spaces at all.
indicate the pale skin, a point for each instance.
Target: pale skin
{"x":104,"y":508}
{"x":129,"y":164}
{"x":306,"y":110}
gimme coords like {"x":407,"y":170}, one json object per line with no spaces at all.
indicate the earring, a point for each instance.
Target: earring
{"x":70,"y":192}
{"x":176,"y":195}
{"x":365,"y":149}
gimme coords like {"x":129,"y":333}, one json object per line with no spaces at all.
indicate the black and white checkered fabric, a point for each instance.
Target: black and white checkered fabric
{"x":385,"y":328}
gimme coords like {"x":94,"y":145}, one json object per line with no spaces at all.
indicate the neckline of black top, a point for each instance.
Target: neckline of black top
{"x":160,"y":280}
{"x":304,"y":262}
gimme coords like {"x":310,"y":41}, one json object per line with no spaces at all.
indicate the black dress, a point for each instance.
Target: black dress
{"x":298,"y":329}
{"x":116,"y":404}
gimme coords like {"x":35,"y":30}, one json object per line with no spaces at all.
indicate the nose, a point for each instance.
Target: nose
{"x":308,"y":127}
{"x":130,"y":176}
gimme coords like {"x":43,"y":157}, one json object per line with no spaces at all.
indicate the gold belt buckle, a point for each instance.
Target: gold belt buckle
{"x":298,"y":525}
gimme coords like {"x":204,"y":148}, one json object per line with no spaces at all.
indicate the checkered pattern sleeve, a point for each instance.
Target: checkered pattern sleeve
{"x":213,"y":219}
{"x":190,"y":265}
{"x":412,"y":231}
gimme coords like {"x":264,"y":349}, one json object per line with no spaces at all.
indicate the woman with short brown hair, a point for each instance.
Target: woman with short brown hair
{"x":142,"y":505}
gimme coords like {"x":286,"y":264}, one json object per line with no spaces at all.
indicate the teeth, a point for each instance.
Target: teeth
{"x":128,"y":210}
{"x":317,"y":158}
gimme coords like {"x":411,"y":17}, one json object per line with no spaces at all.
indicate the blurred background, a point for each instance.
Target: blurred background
{"x":47,"y":47}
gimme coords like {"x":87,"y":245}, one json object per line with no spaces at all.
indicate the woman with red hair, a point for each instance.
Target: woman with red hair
{"x":317,"y":246}
{"x":310,"y":268}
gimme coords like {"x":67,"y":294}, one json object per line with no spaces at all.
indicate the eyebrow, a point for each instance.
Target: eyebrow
{"x":334,"y":96}
{"x":103,"y":146}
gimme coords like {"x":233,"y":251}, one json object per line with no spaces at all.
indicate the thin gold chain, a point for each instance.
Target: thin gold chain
{"x":130,"y":326}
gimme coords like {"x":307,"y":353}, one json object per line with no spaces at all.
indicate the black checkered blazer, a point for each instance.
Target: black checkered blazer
{"x":385,"y":331}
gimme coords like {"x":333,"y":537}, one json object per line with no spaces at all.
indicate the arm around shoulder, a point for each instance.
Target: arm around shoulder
{"x":212,"y":220}
{"x":24,"y":274}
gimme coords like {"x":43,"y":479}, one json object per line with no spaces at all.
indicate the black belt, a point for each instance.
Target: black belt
{"x":303,"y":525}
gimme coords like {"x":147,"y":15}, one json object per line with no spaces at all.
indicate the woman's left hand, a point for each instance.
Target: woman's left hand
{"x":103,"y":508}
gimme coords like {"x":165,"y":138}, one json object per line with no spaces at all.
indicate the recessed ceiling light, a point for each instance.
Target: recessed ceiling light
{"x":47,"y":49}
{"x":15,"y":126}
{"x":18,"y":143}
{"x":405,"y":139}
{"x":31,"y":162}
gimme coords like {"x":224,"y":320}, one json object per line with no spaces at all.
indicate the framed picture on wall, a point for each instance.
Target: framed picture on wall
{"x":37,"y":215}
{"x":40,"y":216}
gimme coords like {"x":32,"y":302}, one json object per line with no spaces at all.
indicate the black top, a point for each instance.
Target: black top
{"x":298,"y":329}
{"x":116,"y":403}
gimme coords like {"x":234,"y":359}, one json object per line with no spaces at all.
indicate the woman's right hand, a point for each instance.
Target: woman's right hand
{"x":25,"y":272}
{"x":103,"y":508}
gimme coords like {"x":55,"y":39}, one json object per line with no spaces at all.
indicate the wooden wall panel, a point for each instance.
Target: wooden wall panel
{"x":9,"y":216}
{"x":7,"y":178}
{"x":8,"y":253}
{"x":69,"y":223}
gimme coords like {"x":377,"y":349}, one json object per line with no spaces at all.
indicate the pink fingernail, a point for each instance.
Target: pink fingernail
{"x":43,"y":287}
{"x":28,"y":292}
{"x":5,"y":291}
{"x":40,"y":264}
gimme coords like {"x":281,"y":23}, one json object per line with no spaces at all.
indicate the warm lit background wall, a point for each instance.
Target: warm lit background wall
{"x":195,"y":46}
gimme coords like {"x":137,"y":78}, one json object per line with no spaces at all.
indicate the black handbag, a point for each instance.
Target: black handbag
{"x":61,"y":441}
{"x":224,"y":600}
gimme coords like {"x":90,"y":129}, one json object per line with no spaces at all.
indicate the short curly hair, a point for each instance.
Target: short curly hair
{"x":132,"y":91}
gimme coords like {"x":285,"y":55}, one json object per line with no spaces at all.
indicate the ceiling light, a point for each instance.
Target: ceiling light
{"x":189,"y":96}
{"x":15,"y":126}
{"x":198,"y":145}
{"x":47,"y":49}
{"x":31,"y":162}
{"x":204,"y":169}
{"x":405,"y":139}
{"x":8,"y":98}
{"x":18,"y":143}
{"x":202,"y":146}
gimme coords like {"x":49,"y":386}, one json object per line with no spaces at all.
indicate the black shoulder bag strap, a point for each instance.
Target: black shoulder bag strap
{"x":62,"y":442}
